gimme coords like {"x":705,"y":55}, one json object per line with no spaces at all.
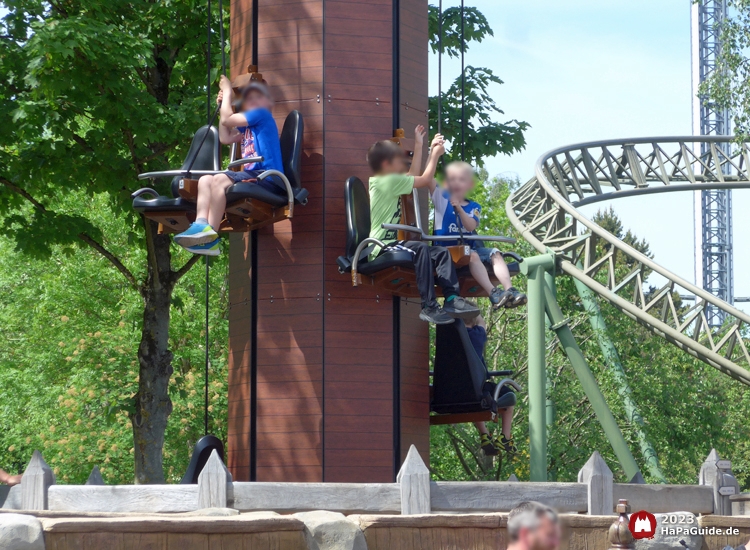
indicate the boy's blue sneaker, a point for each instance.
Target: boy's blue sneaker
{"x":197,"y":233}
{"x":206,"y":249}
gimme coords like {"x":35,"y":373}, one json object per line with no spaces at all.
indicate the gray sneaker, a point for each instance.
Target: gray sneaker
{"x":517,"y":298}
{"x":460,"y":309}
{"x":499,"y":298}
{"x":433,"y":313}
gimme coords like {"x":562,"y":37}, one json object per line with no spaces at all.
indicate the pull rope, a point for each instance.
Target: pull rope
{"x":463,"y":85}
{"x":440,"y":69}
{"x":211,"y":118}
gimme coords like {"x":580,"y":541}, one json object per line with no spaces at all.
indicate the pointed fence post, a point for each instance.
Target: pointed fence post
{"x":35,"y":482}
{"x":414,"y":478}
{"x":512,"y":477}
{"x":214,"y":483}
{"x":597,"y":475}
{"x":717,"y":473}
{"x":95,"y":477}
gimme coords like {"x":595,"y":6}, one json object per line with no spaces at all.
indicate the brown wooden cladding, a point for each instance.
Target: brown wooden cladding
{"x":325,"y":350}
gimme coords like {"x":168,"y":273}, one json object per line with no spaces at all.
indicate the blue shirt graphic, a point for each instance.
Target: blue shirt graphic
{"x":261,"y":138}
{"x":446,"y":222}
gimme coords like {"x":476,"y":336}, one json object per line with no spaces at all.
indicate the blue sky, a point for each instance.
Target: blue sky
{"x":583,"y":70}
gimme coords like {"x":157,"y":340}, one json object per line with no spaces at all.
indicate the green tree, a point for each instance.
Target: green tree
{"x":67,"y":366}
{"x":483,"y":137}
{"x":98,"y":92}
{"x":729,"y":85}
{"x":688,"y":406}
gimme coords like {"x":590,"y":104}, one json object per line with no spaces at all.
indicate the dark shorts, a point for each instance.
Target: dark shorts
{"x":485,"y":254}
{"x":269,"y":184}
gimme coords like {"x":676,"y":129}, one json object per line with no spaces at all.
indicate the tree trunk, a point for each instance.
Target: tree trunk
{"x":152,"y":403}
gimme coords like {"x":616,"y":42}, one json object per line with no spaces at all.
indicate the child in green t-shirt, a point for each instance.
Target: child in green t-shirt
{"x":431,"y":263}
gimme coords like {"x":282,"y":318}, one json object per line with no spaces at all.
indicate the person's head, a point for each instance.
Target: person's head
{"x":534,"y":526}
{"x":256,"y":96}
{"x":386,"y":157}
{"x":459,"y":178}
{"x":474,"y":320}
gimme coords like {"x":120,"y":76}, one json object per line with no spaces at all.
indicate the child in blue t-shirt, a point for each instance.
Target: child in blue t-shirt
{"x":477,"y":330}
{"x":254,"y":129}
{"x":451,"y":198}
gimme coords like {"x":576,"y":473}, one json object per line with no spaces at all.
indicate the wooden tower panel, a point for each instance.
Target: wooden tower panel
{"x":312,"y":393}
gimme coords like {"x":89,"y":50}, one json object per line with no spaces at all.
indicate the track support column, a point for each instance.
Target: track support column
{"x":535,"y":269}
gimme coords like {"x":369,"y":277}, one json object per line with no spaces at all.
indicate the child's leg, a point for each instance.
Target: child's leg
{"x":8,"y":479}
{"x":204,"y":197}
{"x":506,"y":416}
{"x":431,"y":311}
{"x":479,"y":272}
{"x":485,"y":441}
{"x":501,"y":270}
{"x":219,"y":186}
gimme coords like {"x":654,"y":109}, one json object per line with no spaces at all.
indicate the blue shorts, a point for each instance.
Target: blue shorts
{"x":269,"y":184}
{"x":485,"y":254}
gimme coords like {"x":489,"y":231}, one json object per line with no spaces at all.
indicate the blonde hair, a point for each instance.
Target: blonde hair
{"x":464,"y":167}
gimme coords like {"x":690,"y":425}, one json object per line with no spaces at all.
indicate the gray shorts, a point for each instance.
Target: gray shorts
{"x":485,"y":254}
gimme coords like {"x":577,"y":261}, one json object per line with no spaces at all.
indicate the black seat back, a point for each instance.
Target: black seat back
{"x":357,"y":205}
{"x":201,"y":453}
{"x":459,"y":374}
{"x":207,"y":156}
{"x":291,"y":148}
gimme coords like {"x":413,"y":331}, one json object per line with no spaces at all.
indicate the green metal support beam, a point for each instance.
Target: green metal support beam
{"x":559,"y":324}
{"x":613,"y":362}
{"x":535,"y":269}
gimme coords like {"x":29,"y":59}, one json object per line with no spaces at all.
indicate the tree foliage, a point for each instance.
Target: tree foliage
{"x":67,"y":367}
{"x":729,"y":85}
{"x":98,"y":92}
{"x":483,"y":137}
{"x":688,"y":406}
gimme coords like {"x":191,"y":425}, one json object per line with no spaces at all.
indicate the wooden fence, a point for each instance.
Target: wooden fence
{"x":595,"y":493}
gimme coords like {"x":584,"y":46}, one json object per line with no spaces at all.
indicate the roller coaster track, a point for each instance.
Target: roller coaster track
{"x":545,"y":212}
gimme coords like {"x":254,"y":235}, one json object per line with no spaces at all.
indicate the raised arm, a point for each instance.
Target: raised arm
{"x":427,"y":177}
{"x":229,"y":119}
{"x":437,"y":140}
{"x":226,"y":135}
{"x":416,"y":161}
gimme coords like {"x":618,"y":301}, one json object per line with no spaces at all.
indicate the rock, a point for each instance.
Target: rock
{"x":662,"y":541}
{"x":332,"y":531}
{"x":212,"y":512}
{"x":20,"y":532}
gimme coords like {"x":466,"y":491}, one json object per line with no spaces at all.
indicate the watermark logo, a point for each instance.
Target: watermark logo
{"x":642,"y":525}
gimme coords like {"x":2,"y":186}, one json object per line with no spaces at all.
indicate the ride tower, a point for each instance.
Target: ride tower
{"x":327,"y":382}
{"x":714,"y":264}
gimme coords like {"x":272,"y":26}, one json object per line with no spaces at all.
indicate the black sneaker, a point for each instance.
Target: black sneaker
{"x":505,"y":444}
{"x":499,"y":298}
{"x":433,"y":313}
{"x":488,"y":446}
{"x":516,"y":298}
{"x":459,"y":309}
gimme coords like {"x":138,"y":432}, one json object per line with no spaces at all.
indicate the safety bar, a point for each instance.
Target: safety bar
{"x":358,"y":253}
{"x":500,"y":373}
{"x":173,"y":173}
{"x":246,"y":160}
{"x":144,"y":191}
{"x":506,"y":382}
{"x":437,"y":238}
{"x":289,"y":190}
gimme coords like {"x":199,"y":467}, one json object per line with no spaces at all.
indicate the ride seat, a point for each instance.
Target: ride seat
{"x":180,"y":212}
{"x":357,"y":205}
{"x":461,"y":381}
{"x":291,"y":156}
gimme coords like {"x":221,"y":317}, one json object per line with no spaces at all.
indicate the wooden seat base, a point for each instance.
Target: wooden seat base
{"x":461,"y":418}
{"x":402,"y":282}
